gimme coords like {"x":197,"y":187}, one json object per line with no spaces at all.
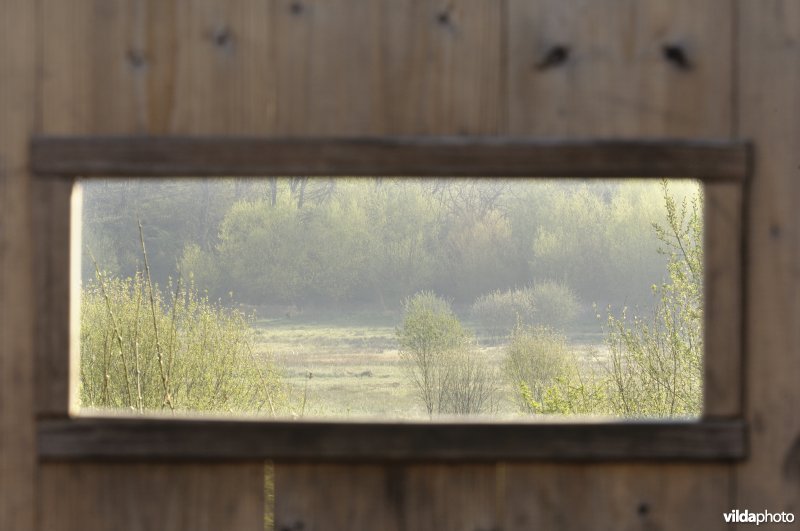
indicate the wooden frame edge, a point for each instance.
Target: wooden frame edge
{"x":175,"y":156}
{"x":723,"y":167}
{"x":125,"y":439}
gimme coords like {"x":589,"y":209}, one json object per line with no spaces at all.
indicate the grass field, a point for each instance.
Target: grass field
{"x":349,"y":366}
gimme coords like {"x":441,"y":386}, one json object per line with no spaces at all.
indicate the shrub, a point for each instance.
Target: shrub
{"x":143,"y":350}
{"x":556,"y":304}
{"x":535,"y":358}
{"x":447,"y":371}
{"x":499,"y":311}
{"x":577,"y":390}
{"x":656,"y":363}
{"x":545,"y":303}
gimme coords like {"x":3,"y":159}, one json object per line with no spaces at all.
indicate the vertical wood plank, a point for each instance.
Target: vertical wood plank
{"x":140,"y":66}
{"x":392,"y":497}
{"x":722,"y":378}
{"x":56,"y":275}
{"x":160,"y":67}
{"x":213,"y":67}
{"x":358,"y":67}
{"x":144,"y":497}
{"x":90,"y":67}
{"x":442,"y":67}
{"x":615,"y":79}
{"x":336,"y":67}
{"x":612,"y":497}
{"x":769,"y":106}
{"x":18,"y":53}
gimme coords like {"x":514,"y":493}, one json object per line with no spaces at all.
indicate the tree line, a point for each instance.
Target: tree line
{"x":318,"y":242}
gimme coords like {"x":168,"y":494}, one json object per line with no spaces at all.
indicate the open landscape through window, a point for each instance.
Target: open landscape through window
{"x":392,"y":298}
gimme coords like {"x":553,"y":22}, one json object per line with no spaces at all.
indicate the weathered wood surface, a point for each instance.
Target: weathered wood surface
{"x":724,"y":333}
{"x":617,"y":82}
{"x":615,"y":78}
{"x":609,"y":498}
{"x":393,"y":497}
{"x":135,"y":439}
{"x":768,"y":103}
{"x":18,"y":49}
{"x":153,"y":66}
{"x":56,"y":237}
{"x":476,"y":157}
{"x":151,"y":496}
{"x":156,"y":67}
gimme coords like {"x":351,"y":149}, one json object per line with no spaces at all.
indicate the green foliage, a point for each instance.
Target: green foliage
{"x":656,"y":363}
{"x":556,"y":304}
{"x":179,"y":352}
{"x":499,"y":311}
{"x":578,"y":390}
{"x":445,"y":368}
{"x":535,"y":358}
{"x":594,"y":239}
{"x":545,"y":303}
{"x":324,"y":242}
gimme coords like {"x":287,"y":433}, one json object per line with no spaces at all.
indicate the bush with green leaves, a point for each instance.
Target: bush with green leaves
{"x":535,"y":358}
{"x":544,"y":303}
{"x":499,"y":311}
{"x":556,"y":304}
{"x":144,"y":350}
{"x":448,"y":372}
{"x":656,"y":365}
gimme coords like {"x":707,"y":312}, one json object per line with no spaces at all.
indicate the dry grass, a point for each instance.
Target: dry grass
{"x":349,"y":366}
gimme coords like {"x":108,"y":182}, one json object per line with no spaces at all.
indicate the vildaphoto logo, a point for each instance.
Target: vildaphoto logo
{"x":764,"y":517}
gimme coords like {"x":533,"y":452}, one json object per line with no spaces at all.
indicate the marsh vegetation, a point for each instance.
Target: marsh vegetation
{"x":393,"y":298}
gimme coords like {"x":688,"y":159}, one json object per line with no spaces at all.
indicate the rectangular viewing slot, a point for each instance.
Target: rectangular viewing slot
{"x":393,"y":299}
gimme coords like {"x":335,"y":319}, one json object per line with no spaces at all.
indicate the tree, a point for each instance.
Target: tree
{"x":535,"y":357}
{"x":441,"y":361}
{"x":656,"y":363}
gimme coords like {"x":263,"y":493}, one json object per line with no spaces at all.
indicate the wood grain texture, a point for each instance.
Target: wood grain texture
{"x":151,"y":496}
{"x":116,"y":438}
{"x":609,"y":498}
{"x":359,"y":67}
{"x":616,"y":80}
{"x":723,"y":260}
{"x":18,"y":49}
{"x":128,"y":66}
{"x":349,"y":67}
{"x":56,"y":237}
{"x":170,"y":156}
{"x":769,"y":101}
{"x":387,"y":497}
{"x":295,"y":67}
{"x":133,"y":66}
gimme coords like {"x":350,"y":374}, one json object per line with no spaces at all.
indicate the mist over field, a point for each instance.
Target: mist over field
{"x":400,"y":298}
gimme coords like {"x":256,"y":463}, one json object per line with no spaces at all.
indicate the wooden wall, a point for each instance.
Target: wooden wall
{"x":372,"y":67}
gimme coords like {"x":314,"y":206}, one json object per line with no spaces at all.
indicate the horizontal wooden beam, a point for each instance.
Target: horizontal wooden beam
{"x":132,"y":438}
{"x":418,"y":156}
